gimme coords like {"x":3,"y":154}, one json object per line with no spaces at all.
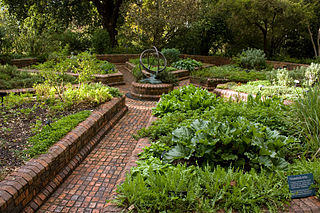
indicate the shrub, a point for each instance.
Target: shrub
{"x":172,"y":55}
{"x":101,"y":41}
{"x":187,"y":64}
{"x":312,"y":74}
{"x":252,"y":59}
{"x":11,"y":78}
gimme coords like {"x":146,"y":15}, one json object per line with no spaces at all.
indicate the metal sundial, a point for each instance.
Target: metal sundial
{"x":154,"y":62}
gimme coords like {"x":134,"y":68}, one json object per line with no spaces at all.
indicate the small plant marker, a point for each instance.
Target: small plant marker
{"x":301,"y":185}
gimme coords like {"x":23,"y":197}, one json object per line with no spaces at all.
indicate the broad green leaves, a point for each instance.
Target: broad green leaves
{"x":238,"y":142}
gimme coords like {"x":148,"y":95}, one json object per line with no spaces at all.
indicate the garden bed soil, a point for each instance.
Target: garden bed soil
{"x":16,"y":126}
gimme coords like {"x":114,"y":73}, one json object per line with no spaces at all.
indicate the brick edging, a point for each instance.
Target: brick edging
{"x":109,"y":79}
{"x":29,"y":186}
{"x":239,"y":95}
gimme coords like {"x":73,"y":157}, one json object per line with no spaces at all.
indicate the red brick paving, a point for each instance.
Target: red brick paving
{"x":90,"y":184}
{"x":94,"y":180}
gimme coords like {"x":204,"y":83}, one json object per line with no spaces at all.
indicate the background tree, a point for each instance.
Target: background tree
{"x":272,"y":19}
{"x":155,"y":22}
{"x":79,"y":12}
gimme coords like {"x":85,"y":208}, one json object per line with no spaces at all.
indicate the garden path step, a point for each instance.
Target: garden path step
{"x":91,"y":183}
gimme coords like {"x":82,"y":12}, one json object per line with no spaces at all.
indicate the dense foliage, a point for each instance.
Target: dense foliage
{"x":211,"y":153}
{"x":11,"y":78}
{"x":187,"y":64}
{"x":77,"y":64}
{"x":172,"y":55}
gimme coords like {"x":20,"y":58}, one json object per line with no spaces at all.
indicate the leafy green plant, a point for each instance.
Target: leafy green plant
{"x":312,"y":74}
{"x":252,"y":59}
{"x":172,"y":55}
{"x":194,"y":189}
{"x":185,"y":99}
{"x":187,"y":64}
{"x":52,"y":133}
{"x":238,"y":142}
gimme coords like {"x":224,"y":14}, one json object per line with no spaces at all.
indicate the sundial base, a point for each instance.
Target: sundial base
{"x":151,"y":80}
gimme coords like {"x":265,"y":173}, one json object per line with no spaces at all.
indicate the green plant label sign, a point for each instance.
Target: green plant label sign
{"x":301,"y":185}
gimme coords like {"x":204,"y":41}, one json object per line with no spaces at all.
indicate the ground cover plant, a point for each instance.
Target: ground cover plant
{"x":209,"y":154}
{"x":230,"y":72}
{"x":31,"y":123}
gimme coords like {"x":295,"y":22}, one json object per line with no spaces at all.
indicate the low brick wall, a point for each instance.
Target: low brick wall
{"x":117,"y":58}
{"x":150,"y":91}
{"x":108,"y":79}
{"x":215,"y":60}
{"x":288,"y":65}
{"x":24,"y":62}
{"x":238,"y":95}
{"x":28,"y":187}
{"x":209,"y":84}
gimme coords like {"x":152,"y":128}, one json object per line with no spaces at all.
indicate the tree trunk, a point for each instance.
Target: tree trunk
{"x":318,"y":41}
{"x":313,"y":44}
{"x":265,"y":43}
{"x":109,"y":11}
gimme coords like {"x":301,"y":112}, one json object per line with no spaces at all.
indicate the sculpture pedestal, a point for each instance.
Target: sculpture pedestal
{"x":151,"y":92}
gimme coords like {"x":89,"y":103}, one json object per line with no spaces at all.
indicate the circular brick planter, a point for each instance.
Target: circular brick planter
{"x":150,"y":91}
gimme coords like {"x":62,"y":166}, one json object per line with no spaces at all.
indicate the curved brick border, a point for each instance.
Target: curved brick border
{"x":180,"y":74}
{"x":150,"y":91}
{"x":29,"y":186}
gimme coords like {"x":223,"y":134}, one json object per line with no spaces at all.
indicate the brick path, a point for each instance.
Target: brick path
{"x":90,"y":184}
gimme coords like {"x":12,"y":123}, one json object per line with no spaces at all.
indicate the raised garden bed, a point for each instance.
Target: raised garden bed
{"x":29,"y":186}
{"x":108,"y":79}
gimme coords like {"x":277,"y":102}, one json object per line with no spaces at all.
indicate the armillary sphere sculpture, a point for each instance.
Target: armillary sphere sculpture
{"x":153,"y":62}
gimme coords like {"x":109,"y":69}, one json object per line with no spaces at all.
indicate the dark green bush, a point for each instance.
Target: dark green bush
{"x":187,"y":64}
{"x":172,"y":55}
{"x":101,"y":41}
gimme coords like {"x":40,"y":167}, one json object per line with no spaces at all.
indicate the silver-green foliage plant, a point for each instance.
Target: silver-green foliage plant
{"x":312,"y":74}
{"x":252,"y":59}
